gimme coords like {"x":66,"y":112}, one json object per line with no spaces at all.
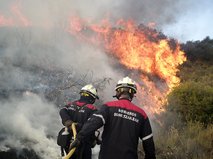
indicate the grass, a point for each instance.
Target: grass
{"x":191,"y":141}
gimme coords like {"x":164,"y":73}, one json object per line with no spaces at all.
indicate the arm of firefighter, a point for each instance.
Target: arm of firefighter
{"x":75,"y":143}
{"x":64,"y":114}
{"x":97,"y":120}
{"x":68,"y":123}
{"x":94,"y":110}
{"x":147,"y":138}
{"x":149,"y":148}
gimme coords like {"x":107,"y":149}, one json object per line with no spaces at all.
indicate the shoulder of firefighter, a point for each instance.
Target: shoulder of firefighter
{"x":68,"y":111}
{"x":123,"y":122}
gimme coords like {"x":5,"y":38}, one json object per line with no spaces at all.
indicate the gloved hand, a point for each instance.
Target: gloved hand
{"x":75,"y":143}
{"x":68,"y":124}
{"x":98,"y":141}
{"x":94,"y":142}
{"x":78,"y":126}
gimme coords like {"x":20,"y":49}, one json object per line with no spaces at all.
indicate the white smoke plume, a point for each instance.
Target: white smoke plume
{"x":27,"y":60}
{"x":25,"y":123}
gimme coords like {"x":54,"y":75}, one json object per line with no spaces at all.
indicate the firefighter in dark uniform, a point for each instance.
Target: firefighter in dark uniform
{"x":124,"y":123}
{"x":88,"y":95}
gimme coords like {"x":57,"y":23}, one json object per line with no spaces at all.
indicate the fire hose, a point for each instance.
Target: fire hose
{"x":74,"y":135}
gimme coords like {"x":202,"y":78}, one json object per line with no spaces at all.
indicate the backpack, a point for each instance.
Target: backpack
{"x":64,"y":137}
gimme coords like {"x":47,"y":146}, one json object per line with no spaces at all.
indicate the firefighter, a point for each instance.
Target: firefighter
{"x":79,"y":112}
{"x":124,"y":123}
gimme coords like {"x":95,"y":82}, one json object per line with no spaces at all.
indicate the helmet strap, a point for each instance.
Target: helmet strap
{"x":131,"y":95}
{"x":118,"y":94}
{"x":88,"y":97}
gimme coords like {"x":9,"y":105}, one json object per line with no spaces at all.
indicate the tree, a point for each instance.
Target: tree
{"x":199,"y":50}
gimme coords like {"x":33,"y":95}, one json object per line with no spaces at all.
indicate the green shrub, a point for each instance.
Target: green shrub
{"x":194,"y":101}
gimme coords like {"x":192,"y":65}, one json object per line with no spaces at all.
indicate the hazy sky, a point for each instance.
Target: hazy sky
{"x":195,"y":24}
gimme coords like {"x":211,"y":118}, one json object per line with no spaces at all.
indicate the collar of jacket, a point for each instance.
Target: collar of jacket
{"x":83,"y":100}
{"x":125,"y":99}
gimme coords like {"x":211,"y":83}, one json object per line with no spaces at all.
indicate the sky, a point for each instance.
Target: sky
{"x":194,"y":24}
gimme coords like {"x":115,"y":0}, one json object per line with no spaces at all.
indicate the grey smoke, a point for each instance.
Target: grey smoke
{"x":29,"y":120}
{"x":177,"y":19}
{"x":25,"y":123}
{"x":32,"y":121}
{"x":163,"y":11}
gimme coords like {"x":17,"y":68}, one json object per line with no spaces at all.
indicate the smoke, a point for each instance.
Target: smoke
{"x":29,"y":54}
{"x":35,"y":60}
{"x":178,"y":19}
{"x":25,"y":123}
{"x":162,"y":12}
{"x":40,"y":12}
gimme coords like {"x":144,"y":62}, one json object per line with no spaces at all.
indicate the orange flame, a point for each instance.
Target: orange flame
{"x":134,"y":49}
{"x":138,"y":48}
{"x":17,"y":18}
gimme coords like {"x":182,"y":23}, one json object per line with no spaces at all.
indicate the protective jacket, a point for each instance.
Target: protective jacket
{"x":124,"y":123}
{"x":68,"y":111}
{"x":85,"y":111}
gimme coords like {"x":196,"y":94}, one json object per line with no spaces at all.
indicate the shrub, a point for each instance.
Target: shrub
{"x":193,"y":101}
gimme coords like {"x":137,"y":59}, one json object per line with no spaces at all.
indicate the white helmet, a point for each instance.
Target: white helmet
{"x":90,"y":90}
{"x":126,"y":83}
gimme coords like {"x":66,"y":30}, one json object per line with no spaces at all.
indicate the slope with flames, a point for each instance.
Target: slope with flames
{"x":136,"y":47}
{"x":135,"y":50}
